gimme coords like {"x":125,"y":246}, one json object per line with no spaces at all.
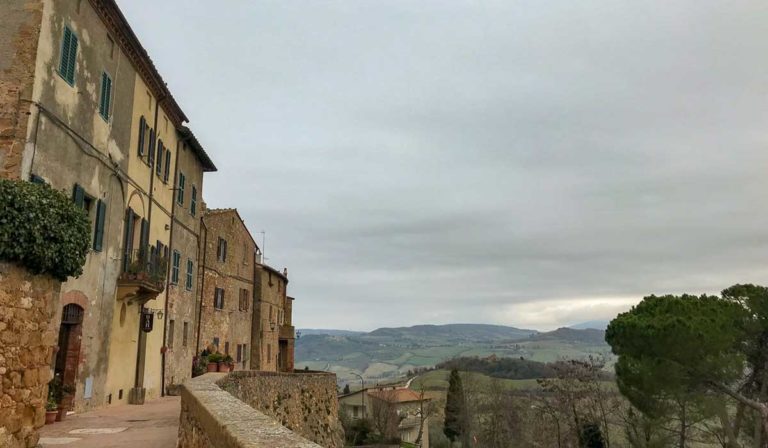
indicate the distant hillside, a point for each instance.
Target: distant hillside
{"x":388,"y":353}
{"x":309,"y":331}
{"x":594,"y":324}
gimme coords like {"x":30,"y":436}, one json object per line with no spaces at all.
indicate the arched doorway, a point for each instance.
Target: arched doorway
{"x":68,"y":356}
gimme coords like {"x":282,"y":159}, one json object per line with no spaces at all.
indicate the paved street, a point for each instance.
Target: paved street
{"x":154,"y":425}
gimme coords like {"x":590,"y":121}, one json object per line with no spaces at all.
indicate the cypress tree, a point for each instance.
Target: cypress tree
{"x":454,"y":426}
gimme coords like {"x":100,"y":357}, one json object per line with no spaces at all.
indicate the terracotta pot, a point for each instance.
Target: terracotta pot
{"x":50,"y":416}
{"x":212,"y":367}
{"x":223,"y":367}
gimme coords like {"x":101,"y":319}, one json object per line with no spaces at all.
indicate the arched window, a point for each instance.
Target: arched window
{"x":72,"y":314}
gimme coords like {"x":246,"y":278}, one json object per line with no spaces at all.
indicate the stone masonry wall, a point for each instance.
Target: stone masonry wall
{"x":27,"y":338}
{"x":213,"y":418}
{"x":303,"y":402}
{"x":20,"y":24}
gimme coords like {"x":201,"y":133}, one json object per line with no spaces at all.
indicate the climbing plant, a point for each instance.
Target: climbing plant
{"x":42,"y":229}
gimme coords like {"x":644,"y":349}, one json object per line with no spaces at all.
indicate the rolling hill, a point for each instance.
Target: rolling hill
{"x":386,"y":354}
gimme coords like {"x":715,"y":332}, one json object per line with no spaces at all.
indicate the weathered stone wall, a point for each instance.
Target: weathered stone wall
{"x":303,"y":402}
{"x":19,"y":35}
{"x":27,"y":338}
{"x":231,"y":324}
{"x":271,"y":286}
{"x":213,"y":418}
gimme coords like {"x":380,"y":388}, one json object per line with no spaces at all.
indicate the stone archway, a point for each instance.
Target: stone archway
{"x":68,"y":355}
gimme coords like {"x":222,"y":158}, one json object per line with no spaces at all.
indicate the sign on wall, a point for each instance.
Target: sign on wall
{"x":147,"y":322}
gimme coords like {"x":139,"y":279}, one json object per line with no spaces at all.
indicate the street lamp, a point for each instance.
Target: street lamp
{"x":362,"y":391}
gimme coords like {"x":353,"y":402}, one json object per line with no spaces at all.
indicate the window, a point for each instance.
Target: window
{"x":151,"y":147}
{"x":269,"y":352}
{"x":68,"y":56}
{"x":185,"y":335}
{"x":218,"y":299}
{"x":221,"y":250}
{"x":216,"y":342}
{"x":171,"y":324}
{"x":106,"y":96}
{"x":354,"y":411}
{"x":245,"y":352}
{"x":180,"y":193}
{"x":193,"y":201}
{"x":239,"y":353}
{"x":160,"y":156}
{"x":243,"y":305}
{"x":175,"y":267}
{"x":190,"y":267}
{"x":167,"y":173}
{"x":226,"y":348}
{"x":142,"y":135}
{"x":98,"y":236}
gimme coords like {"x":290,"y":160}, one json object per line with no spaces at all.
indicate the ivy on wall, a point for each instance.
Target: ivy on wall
{"x":42,"y":229}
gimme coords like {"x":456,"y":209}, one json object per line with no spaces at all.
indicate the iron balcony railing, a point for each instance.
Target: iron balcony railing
{"x":145,"y":265}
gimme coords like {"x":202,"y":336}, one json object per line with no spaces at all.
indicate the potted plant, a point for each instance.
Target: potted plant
{"x":227,"y":363}
{"x":213,"y":362}
{"x":51,"y":410}
{"x":224,"y":363}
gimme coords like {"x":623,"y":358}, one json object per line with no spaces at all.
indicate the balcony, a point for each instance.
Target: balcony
{"x":286,"y":332}
{"x":143,"y":276}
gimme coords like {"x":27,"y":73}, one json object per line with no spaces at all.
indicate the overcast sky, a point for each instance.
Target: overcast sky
{"x":530,"y":163}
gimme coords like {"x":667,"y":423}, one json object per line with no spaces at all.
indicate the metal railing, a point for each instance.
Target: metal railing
{"x":144,"y":264}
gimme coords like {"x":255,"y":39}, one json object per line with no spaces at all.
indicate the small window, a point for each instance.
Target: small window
{"x":175,"y":267}
{"x":269,"y":352}
{"x":226,"y":348}
{"x":68,"y":57}
{"x":106,"y":96}
{"x":218,"y":298}
{"x":221,"y":250}
{"x":185,"y":335}
{"x":193,"y":201}
{"x":171,"y":324}
{"x":180,"y":192}
{"x":245,"y":352}
{"x":190,"y":267}
{"x":239,"y":353}
{"x":216,"y":342}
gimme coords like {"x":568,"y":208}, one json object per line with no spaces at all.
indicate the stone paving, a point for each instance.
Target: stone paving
{"x":153,"y":425}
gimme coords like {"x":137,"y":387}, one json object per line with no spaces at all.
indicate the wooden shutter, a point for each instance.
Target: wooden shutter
{"x":128,"y":238}
{"x":98,"y":238}
{"x":144,"y":238}
{"x":167,"y":165}
{"x":142,"y":136}
{"x":224,"y":255}
{"x":68,"y":56}
{"x":106,"y":95}
{"x":78,"y":196}
{"x":151,"y":147}
{"x":193,"y":202}
{"x":159,"y":163}
{"x":72,"y":58}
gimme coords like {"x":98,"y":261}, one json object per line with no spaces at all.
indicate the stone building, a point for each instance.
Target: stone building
{"x":85,"y":110}
{"x":182,"y":291}
{"x":227,"y":286}
{"x":272,"y":330}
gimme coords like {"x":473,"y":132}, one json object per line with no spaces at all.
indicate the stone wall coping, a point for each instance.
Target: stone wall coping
{"x":228,"y":422}
{"x":302,"y":373}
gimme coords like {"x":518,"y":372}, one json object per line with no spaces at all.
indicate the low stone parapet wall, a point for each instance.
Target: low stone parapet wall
{"x":303,"y":401}
{"x":213,"y":417}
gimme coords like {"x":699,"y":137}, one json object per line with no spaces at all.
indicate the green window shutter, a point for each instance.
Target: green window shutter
{"x":68,"y":56}
{"x":78,"y":196}
{"x":142,"y":130}
{"x":175,"y":270}
{"x":190,"y":268}
{"x":159,"y":163}
{"x":180,"y":195}
{"x":167,"y":173}
{"x":106,"y":95}
{"x":151,"y":148}
{"x":144,"y":239}
{"x":128,"y":239}
{"x":98,"y":237}
{"x":193,"y":201}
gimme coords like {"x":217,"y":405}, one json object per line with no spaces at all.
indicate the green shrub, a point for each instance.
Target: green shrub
{"x":42,"y":229}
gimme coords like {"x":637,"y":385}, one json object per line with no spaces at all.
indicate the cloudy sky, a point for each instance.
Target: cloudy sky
{"x":521,"y":162}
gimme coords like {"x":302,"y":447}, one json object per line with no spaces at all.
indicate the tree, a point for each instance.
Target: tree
{"x":691,"y":351}
{"x":384,"y":413}
{"x":346,"y":388}
{"x":455,"y":426}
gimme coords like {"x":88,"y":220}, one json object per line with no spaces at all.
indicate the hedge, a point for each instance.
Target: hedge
{"x":42,"y":229}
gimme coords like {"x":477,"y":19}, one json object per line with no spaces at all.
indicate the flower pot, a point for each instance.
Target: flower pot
{"x":213,"y":367}
{"x":223,"y":367}
{"x":50,"y":416}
